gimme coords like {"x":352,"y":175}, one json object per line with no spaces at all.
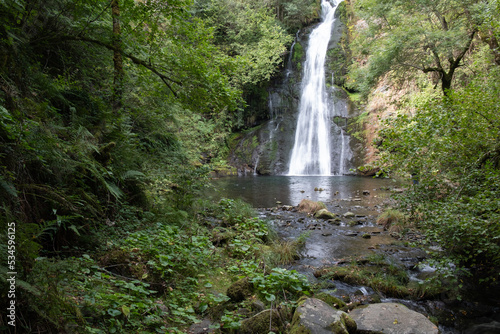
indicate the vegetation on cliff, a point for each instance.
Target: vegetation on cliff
{"x":444,"y":141}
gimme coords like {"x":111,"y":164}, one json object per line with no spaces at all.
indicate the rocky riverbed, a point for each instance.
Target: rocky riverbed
{"x":349,"y":252}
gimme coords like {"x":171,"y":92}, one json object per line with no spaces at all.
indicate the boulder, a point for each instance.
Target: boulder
{"x":324,"y":214}
{"x":314,"y":316}
{"x":240,"y":290}
{"x":391,"y":318}
{"x":330,"y":300}
{"x":263,"y":322}
{"x":349,"y":215}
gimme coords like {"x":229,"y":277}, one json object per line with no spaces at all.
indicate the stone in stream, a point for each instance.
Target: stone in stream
{"x":391,"y":318}
{"x":349,"y":215}
{"x":314,"y":316}
{"x":324,"y":214}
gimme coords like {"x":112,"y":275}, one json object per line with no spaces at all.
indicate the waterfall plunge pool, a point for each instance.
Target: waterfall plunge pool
{"x":266,"y":191}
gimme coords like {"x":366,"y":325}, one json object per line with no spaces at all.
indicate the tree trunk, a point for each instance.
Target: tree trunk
{"x":118,"y":74}
{"x":446,"y":80}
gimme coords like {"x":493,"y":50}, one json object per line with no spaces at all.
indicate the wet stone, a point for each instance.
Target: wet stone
{"x":392,"y":318}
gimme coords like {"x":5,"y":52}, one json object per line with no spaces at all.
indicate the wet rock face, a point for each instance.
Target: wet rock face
{"x":317,"y":317}
{"x":266,"y":149}
{"x":391,"y":318}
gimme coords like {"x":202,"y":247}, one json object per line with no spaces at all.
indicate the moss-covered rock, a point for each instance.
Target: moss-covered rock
{"x":330,"y":300}
{"x":263,"y":322}
{"x":240,"y":290}
{"x":324,"y":214}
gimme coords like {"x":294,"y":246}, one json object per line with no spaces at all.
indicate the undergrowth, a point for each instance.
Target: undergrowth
{"x":154,"y":276}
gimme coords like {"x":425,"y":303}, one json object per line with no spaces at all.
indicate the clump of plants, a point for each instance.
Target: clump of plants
{"x":382,"y":275}
{"x":310,"y":207}
{"x":393,"y":220}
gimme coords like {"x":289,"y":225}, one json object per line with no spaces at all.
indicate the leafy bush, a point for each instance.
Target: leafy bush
{"x":281,"y":283}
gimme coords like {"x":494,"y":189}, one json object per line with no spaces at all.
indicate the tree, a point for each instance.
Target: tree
{"x":489,"y":30}
{"x":425,"y":35}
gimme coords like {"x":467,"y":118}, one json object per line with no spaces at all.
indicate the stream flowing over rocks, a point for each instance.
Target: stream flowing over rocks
{"x":347,"y":231}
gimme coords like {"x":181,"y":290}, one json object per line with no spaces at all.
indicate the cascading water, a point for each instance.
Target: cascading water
{"x":311,"y":150}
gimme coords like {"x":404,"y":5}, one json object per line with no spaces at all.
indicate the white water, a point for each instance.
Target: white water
{"x":311,"y":150}
{"x":342,"y":153}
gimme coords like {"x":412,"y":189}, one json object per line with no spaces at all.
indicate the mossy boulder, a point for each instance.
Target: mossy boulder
{"x":349,"y":215}
{"x":316,"y":316}
{"x":263,"y":322}
{"x":324,"y":214}
{"x":240,"y":290}
{"x":330,"y":300}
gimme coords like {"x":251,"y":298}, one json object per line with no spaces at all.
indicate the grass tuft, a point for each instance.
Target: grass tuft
{"x":311,"y":207}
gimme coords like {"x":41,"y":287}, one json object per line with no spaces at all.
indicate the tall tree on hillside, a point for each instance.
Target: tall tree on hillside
{"x":117,"y":57}
{"x":431,"y":36}
{"x":157,"y":36}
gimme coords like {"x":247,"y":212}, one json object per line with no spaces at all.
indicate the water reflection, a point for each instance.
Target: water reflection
{"x":265,"y":191}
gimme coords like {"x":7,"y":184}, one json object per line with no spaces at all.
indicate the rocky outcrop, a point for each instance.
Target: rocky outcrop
{"x":391,"y":318}
{"x":314,"y":316}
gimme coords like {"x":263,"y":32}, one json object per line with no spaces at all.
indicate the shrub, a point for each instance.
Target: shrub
{"x":392,"y":220}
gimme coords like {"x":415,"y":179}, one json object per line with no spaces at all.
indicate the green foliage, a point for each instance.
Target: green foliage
{"x":281,"y":283}
{"x":248,"y":31}
{"x":409,"y":36}
{"x":169,"y":252}
{"x":451,"y":147}
{"x":278,"y":286}
{"x":250,"y":34}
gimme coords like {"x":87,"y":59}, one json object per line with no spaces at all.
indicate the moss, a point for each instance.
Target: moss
{"x":349,"y":323}
{"x":338,"y":328}
{"x":240,"y":290}
{"x":263,"y":322}
{"x":124,"y":262}
{"x":324,"y":214}
{"x":299,"y":329}
{"x":330,"y":300}
{"x":387,"y":278}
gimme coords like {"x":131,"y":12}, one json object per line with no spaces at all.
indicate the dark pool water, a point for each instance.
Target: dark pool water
{"x":265,"y":191}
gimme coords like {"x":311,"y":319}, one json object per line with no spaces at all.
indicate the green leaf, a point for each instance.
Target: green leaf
{"x":270,"y":297}
{"x":125,"y":311}
{"x":114,"y":312}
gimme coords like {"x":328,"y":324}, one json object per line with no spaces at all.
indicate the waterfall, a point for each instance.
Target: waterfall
{"x":311,"y":150}
{"x":342,"y":153}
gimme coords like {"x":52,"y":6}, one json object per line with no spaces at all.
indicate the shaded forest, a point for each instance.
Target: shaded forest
{"x":114,"y":115}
